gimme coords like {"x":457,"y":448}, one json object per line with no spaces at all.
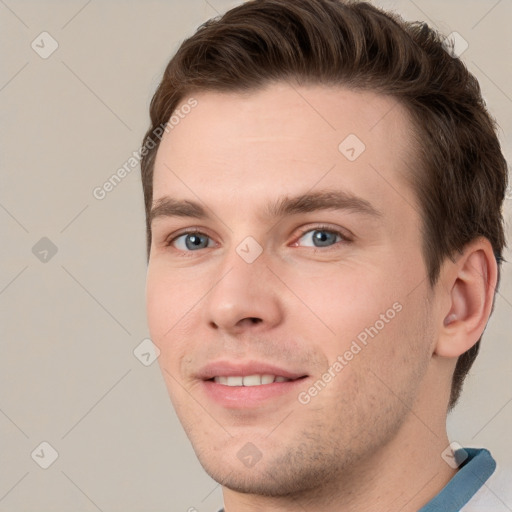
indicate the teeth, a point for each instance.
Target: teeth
{"x":267,"y":379}
{"x":252,"y":380}
{"x":249,"y":380}
{"x":235,"y":381}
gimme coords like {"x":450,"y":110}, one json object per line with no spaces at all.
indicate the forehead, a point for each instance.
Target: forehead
{"x":286,"y":139}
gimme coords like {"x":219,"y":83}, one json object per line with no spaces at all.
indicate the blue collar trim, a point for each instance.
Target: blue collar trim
{"x":473,"y":473}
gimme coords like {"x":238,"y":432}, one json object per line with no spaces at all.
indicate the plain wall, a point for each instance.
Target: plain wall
{"x":69,"y":325}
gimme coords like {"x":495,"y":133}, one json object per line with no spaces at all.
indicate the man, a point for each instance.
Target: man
{"x":323,"y":190}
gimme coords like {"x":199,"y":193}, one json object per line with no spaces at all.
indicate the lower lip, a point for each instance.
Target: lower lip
{"x":236,"y":397}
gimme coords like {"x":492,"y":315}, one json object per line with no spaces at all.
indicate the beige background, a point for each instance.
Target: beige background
{"x":68,"y":375}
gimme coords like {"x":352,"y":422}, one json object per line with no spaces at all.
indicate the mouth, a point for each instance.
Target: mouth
{"x":250,"y":380}
{"x":249,"y":385}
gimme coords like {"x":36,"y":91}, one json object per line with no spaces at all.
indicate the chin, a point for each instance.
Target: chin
{"x":250,"y":481}
{"x":277,"y":475}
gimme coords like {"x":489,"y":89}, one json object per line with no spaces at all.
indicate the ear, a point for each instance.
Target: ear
{"x":469,"y":284}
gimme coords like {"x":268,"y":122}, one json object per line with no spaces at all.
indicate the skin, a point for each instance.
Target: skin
{"x":372,"y":439}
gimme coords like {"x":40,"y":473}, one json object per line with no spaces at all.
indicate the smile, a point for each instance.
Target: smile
{"x":249,"y":380}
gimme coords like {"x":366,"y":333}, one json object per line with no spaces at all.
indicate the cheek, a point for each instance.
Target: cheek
{"x":374,"y":323}
{"x":344,"y":301}
{"x":157,"y":306}
{"x":167,"y":298}
{"x":172,"y":306}
{"x":166,"y":302}
{"x":380,"y":378}
{"x":396,"y":349}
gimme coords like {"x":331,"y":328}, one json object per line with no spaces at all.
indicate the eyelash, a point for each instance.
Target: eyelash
{"x":344,"y":238}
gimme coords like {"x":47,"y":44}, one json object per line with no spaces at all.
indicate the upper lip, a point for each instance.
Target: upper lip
{"x":232,"y":369}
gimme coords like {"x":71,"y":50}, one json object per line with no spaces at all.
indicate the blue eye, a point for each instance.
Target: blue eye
{"x":320,"y":237}
{"x":191,"y":241}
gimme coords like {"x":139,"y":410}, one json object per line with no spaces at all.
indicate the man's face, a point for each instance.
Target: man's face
{"x":264,"y":286}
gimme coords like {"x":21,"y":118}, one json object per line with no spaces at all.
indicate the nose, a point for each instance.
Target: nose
{"x":244,"y":297}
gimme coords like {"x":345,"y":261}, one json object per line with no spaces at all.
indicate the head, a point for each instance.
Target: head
{"x":266,"y":99}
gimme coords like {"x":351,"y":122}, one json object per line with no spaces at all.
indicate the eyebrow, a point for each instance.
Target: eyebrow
{"x":304,"y":203}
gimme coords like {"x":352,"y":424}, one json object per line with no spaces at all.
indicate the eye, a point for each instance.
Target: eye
{"x":321,"y":237}
{"x":191,"y":241}
{"x":318,"y":237}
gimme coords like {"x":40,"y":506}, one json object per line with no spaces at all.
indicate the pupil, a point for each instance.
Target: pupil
{"x":194,"y":241}
{"x":324,"y":237}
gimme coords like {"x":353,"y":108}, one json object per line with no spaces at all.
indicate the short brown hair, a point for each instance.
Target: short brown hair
{"x":461,"y":179}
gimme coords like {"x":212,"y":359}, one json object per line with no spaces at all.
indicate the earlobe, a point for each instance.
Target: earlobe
{"x":471,"y":282}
